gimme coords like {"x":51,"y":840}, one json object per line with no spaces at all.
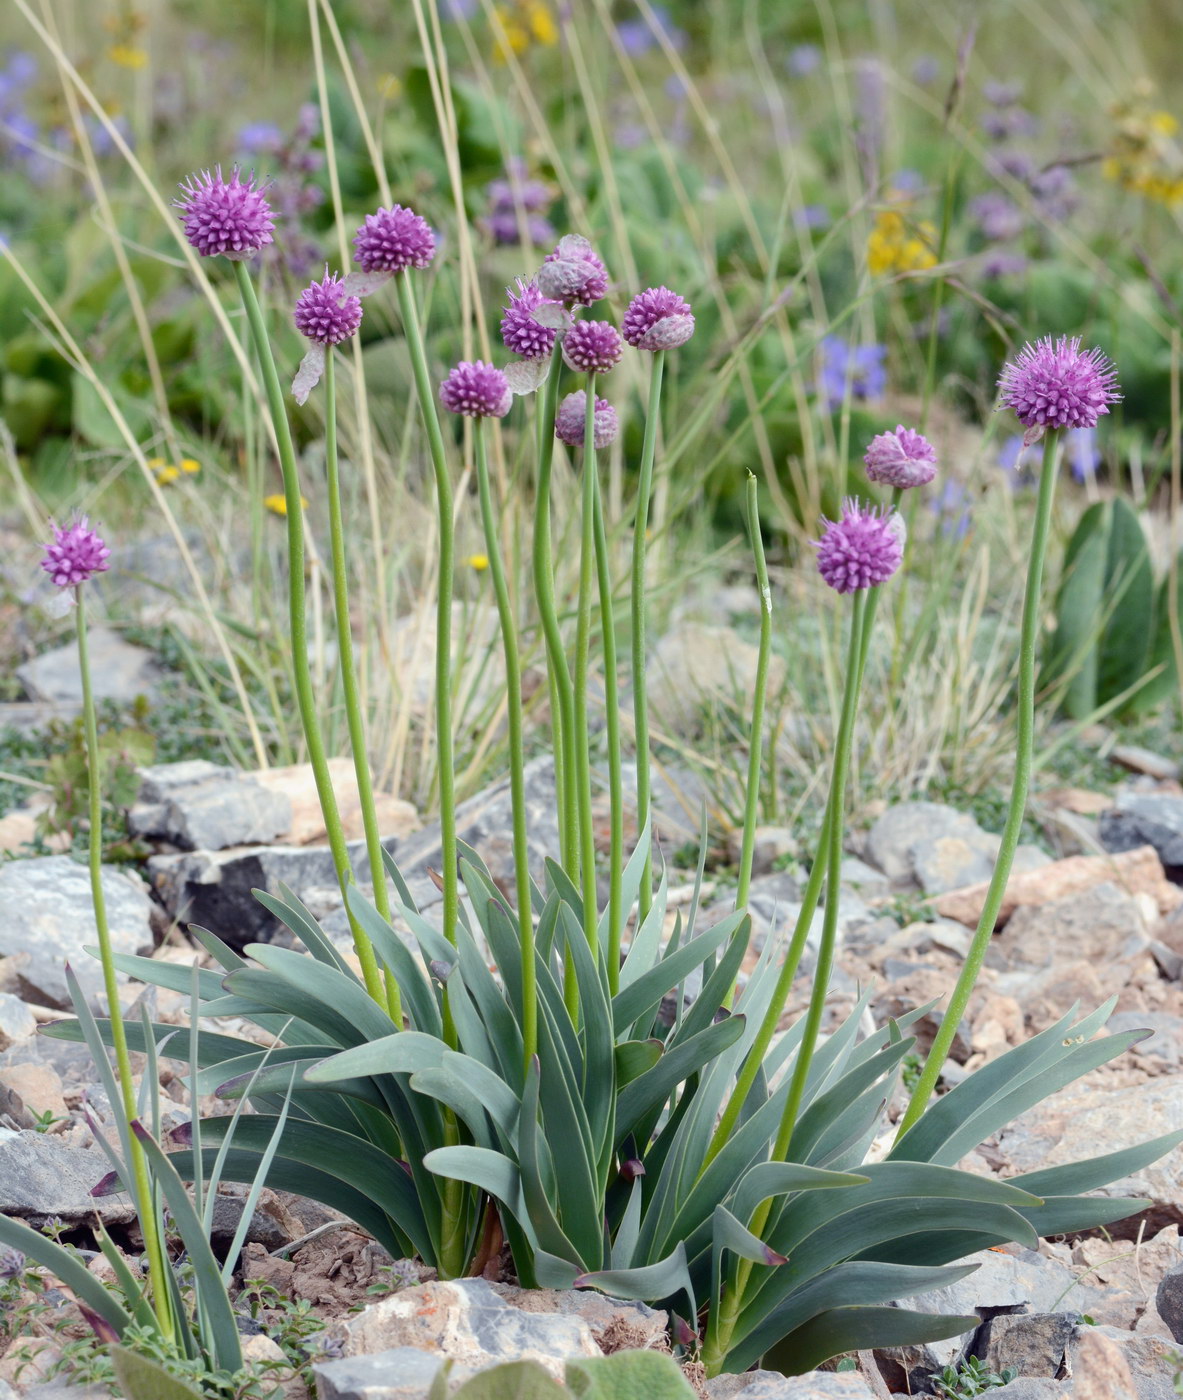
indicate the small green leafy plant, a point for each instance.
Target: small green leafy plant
{"x":972,"y":1377}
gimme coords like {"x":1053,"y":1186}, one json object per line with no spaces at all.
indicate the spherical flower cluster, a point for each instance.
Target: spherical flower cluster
{"x":522,"y":334}
{"x":1058,"y":385}
{"x":860,"y":549}
{"x":227,"y":217}
{"x":592,"y":346}
{"x":570,"y":421}
{"x":326,"y":315}
{"x":658,"y":319}
{"x":901,"y":458}
{"x":573,"y":273}
{"x":477,"y":390}
{"x":76,"y":554}
{"x":392,"y":240}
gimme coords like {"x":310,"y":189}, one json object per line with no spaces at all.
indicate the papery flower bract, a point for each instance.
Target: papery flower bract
{"x":570,"y":421}
{"x":592,"y":346}
{"x":902,"y":457}
{"x":860,"y":549}
{"x":477,"y":390}
{"x":76,"y":554}
{"x":657,"y":319}
{"x":522,"y":333}
{"x":325,"y":314}
{"x":573,"y":273}
{"x":393,"y":240}
{"x":230,"y":218}
{"x":1057,"y":385}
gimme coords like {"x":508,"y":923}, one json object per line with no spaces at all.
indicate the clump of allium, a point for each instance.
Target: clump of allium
{"x":1058,"y":385}
{"x":658,"y":319}
{"x":76,"y":554}
{"x":901,"y":458}
{"x":521,"y":331}
{"x":860,"y":549}
{"x":477,"y":390}
{"x":392,"y":240}
{"x":570,"y":420}
{"x":573,"y":273}
{"x":592,"y":346}
{"x":226,"y":217}
{"x":325,"y":313}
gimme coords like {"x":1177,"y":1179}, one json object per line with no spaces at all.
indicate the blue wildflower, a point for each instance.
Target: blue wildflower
{"x":861,"y":367}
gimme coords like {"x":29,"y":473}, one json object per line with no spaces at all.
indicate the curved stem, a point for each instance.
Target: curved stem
{"x":612,"y":737}
{"x":1028,"y":636}
{"x":353,"y":713}
{"x":582,"y":775}
{"x":562,"y":714}
{"x":443,"y":620}
{"x":517,"y":761}
{"x":756,"y":743}
{"x":302,"y":675}
{"x":720,"y":1332}
{"x":153,"y":1245}
{"x":640,"y":694}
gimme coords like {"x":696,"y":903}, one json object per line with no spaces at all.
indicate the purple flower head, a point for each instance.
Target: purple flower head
{"x":12,"y":1263}
{"x":592,"y":346}
{"x":522,"y":333}
{"x":76,"y":554}
{"x":569,"y":420}
{"x":325,"y":314}
{"x":260,"y":138}
{"x":860,"y":549}
{"x":392,"y":240}
{"x":573,"y":273}
{"x":901,"y":458}
{"x":813,"y":216}
{"x":1057,"y":385}
{"x":658,"y":319}
{"x":636,"y":37}
{"x":999,"y":217}
{"x":477,"y":390}
{"x":227,"y":217}
{"x":1003,"y":264}
{"x":863,"y":366}
{"x":1002,"y":94}
{"x":502,"y":226}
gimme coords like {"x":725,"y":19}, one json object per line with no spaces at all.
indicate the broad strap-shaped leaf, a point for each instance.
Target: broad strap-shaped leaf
{"x":665,"y":1279}
{"x":640,"y":999}
{"x":65,"y":1267}
{"x":491,"y":1172}
{"x":771,"y":1179}
{"x":289,"y":910}
{"x":855,"y":1284}
{"x":634,"y":1057}
{"x":862,"y":1329}
{"x":420,"y":998}
{"x":728,"y":1235}
{"x":1094,"y":1172}
{"x":142,"y":1378}
{"x":651,"y":1089}
{"x":539,"y":1185}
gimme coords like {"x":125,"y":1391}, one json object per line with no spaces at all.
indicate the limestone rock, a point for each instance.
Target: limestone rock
{"x":119,"y":671}
{"x":891,"y":840}
{"x":40,"y":1178}
{"x":695,"y":668}
{"x":48,"y":914}
{"x":1101,"y":925}
{"x":207,"y":810}
{"x":771,"y":1385}
{"x":306,"y":827}
{"x":17,"y":1022}
{"x":1030,"y":1344}
{"x":1146,"y":819}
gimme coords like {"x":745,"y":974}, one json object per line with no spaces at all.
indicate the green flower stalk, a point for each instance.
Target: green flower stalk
{"x":1049,"y":386}
{"x":582,"y":770}
{"x":481,"y":392}
{"x":305,"y":695}
{"x":756,"y":743}
{"x":75,"y":556}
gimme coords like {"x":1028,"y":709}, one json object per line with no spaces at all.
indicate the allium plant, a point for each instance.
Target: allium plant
{"x":710,"y":1165}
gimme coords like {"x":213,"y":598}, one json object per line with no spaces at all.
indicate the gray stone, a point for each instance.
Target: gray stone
{"x":40,"y":1178}
{"x":1030,"y":1388}
{"x":1030,"y":1344}
{"x":1146,"y":819}
{"x":1151,"y":1360}
{"x":1169,"y":1301}
{"x":1102,"y":924}
{"x":17,"y":1022}
{"x":214,"y":814}
{"x":400,"y":1373}
{"x":1140,"y":760}
{"x":485,"y":823}
{"x":63,"y":1390}
{"x":468,"y":1321}
{"x":860,"y":876}
{"x":618,"y":1319}
{"x":119,"y":671}
{"x":942,"y":863}
{"x":771,"y":1385}
{"x":48,"y":914}
{"x":696,"y":668}
{"x":891,"y":839}
{"x":27,"y":716}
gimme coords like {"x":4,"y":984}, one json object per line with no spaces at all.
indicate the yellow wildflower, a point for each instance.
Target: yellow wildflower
{"x":896,"y":246}
{"x":521,"y":23}
{"x":542,"y":23}
{"x":389,"y":86}
{"x":278,"y":503}
{"x":189,"y":466}
{"x":128,"y":55}
{"x":479,"y":562}
{"x":1163,"y":123}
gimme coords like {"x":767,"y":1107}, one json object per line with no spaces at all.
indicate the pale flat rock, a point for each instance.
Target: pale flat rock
{"x":49,"y":915}
{"x":1140,"y":760}
{"x":1082,"y":801}
{"x":40,"y":1178}
{"x":1103,"y":924}
{"x":895,"y":834}
{"x":120,"y":671}
{"x":1136,"y":872}
{"x":696,"y":668}
{"x":306,"y":826}
{"x":17,"y":1022}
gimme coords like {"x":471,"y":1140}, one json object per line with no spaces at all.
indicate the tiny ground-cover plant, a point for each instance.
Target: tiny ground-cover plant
{"x":972,"y":1377}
